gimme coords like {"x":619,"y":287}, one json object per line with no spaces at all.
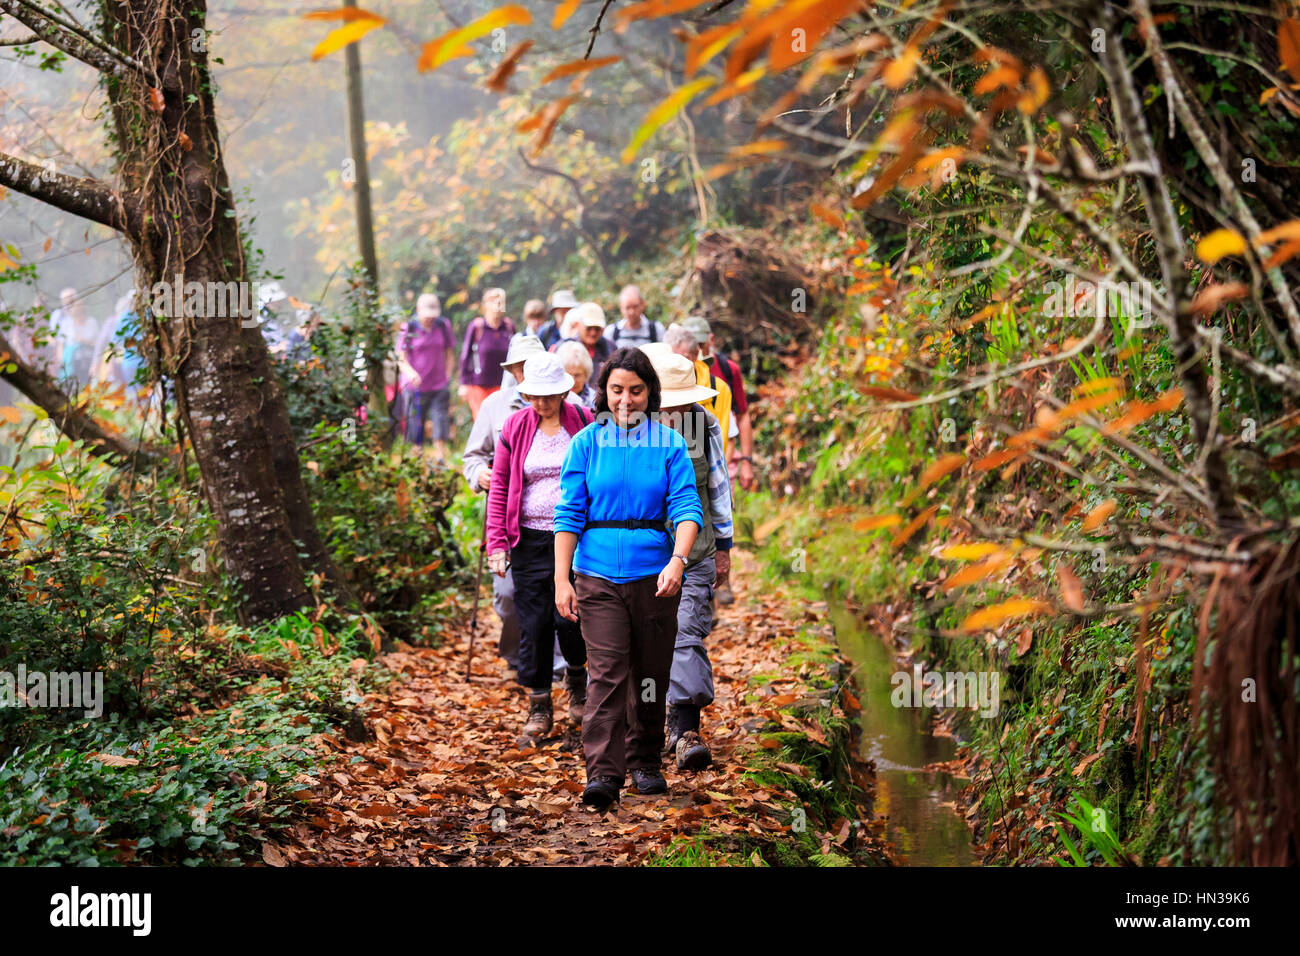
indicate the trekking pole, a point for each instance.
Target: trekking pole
{"x":478,"y":587}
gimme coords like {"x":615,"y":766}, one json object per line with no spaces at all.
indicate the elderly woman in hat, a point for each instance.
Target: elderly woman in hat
{"x":562,"y":302}
{"x":623,"y":479}
{"x":522,"y":495}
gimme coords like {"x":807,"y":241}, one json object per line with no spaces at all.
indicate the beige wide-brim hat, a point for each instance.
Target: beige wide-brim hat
{"x":522,"y":348}
{"x":677,"y":385}
{"x":545,"y":375}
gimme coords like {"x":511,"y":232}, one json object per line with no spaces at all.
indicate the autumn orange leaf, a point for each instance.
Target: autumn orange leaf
{"x":990,"y":617}
{"x":828,"y":216}
{"x":497,"y":79}
{"x":1071,"y":588}
{"x":912,"y":528}
{"x":562,"y":13}
{"x":997,"y":458}
{"x":996,"y":79}
{"x":1098,"y":515}
{"x":1288,"y":230}
{"x":1288,"y":46}
{"x":874,"y":522}
{"x":346,"y":14}
{"x":455,"y":44}
{"x":977,"y":572}
{"x":1209,"y":299}
{"x":944,"y":466}
{"x":883,"y":391}
{"x":578,"y":66}
{"x":1039,"y":91}
{"x":901,"y":69}
{"x":543,"y":121}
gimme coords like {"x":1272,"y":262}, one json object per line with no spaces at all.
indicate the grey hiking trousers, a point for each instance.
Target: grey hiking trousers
{"x":691,"y":681}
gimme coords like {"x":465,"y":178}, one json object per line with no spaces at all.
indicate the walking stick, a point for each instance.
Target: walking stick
{"x":478,"y":587}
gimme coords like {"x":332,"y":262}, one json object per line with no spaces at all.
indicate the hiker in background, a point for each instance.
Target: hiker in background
{"x":429,"y":348}
{"x":299,"y":347}
{"x":118,"y":362}
{"x":524,"y":489}
{"x":480,"y":451}
{"x":634,"y":328}
{"x":577,"y":362}
{"x":561,"y":302}
{"x":588,"y":320}
{"x":728,"y":371}
{"x":487,"y":340}
{"x":399,"y":380}
{"x":271,"y":299}
{"x":77,"y":334}
{"x":690,"y":686}
{"x":534,"y":319}
{"x":681,"y":340}
{"x":622,"y":479}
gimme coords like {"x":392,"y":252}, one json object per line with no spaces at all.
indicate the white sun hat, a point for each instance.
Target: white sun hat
{"x":523,"y":347}
{"x":677,"y":383}
{"x":563,"y":299}
{"x":545,"y":375}
{"x":589,"y":314}
{"x":428,"y":306}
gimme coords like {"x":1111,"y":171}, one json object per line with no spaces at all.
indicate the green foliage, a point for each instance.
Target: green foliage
{"x":382,"y":513}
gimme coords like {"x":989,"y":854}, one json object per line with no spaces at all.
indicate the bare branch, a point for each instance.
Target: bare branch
{"x":71,"y":39}
{"x":81,"y":196}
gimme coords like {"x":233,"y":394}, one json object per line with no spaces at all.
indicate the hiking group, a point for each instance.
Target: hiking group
{"x":607,"y":453}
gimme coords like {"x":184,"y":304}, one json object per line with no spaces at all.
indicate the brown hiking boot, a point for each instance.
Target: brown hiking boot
{"x":575,"y":681}
{"x":692,"y":752}
{"x":540,"y":716}
{"x":724,"y":595}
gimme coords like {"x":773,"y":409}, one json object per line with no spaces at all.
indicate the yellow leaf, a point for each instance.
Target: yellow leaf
{"x":758,"y":147}
{"x":665,"y":111}
{"x":455,"y":44}
{"x":340,"y":37}
{"x":562,"y":13}
{"x":6,"y":263}
{"x":990,"y":617}
{"x":1220,"y":243}
{"x":969,"y":552}
{"x":977,"y":572}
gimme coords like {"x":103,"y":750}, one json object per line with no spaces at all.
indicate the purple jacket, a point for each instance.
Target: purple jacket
{"x":483,"y":352}
{"x":506,"y":493}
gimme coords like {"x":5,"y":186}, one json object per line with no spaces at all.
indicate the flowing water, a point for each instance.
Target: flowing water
{"x":918,"y":805}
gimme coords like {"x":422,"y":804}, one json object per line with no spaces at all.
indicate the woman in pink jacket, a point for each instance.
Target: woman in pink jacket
{"x":520,"y":513}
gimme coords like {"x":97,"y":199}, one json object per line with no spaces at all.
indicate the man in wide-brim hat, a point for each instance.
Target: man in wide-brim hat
{"x":690,"y":685}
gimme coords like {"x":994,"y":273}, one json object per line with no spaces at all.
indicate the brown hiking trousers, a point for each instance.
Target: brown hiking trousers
{"x":630,"y":635}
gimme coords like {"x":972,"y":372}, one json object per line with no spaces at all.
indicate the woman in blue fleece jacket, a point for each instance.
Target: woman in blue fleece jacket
{"x":626,"y":479}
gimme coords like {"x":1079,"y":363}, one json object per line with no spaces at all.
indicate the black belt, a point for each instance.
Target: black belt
{"x":634,"y":525}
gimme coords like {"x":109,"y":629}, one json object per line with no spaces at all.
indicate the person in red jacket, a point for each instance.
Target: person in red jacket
{"x":522,"y":496}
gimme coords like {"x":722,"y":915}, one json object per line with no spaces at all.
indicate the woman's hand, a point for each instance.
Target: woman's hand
{"x":670,"y":578}
{"x":566,"y":600}
{"x":497,"y":563}
{"x":485,"y":479}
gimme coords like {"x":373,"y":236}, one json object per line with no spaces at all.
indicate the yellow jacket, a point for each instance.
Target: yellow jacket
{"x":719,"y":405}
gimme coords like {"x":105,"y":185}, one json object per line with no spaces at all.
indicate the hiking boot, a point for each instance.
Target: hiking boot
{"x":540,"y":717}
{"x":692,"y":753}
{"x":681,"y":718}
{"x":648,"y":780}
{"x":723,"y":593}
{"x":601,"y":792}
{"x":575,"y":682}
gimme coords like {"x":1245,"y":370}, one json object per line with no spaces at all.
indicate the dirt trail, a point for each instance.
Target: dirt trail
{"x":443,"y":782}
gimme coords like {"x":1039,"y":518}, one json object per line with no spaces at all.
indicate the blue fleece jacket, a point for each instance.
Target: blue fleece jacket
{"x":615,"y":474}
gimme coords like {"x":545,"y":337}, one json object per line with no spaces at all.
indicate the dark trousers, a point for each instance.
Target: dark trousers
{"x":532,"y":562}
{"x":424,"y":406}
{"x":629,"y":634}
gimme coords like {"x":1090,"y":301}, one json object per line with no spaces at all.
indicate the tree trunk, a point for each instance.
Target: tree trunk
{"x":170,"y":161}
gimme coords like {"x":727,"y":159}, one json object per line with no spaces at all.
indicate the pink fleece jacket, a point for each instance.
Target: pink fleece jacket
{"x":506,"y":493}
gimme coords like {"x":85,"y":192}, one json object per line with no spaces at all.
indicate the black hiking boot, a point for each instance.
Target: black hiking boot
{"x":648,"y":780}
{"x":575,"y":682}
{"x":692,"y":752}
{"x":601,"y":792}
